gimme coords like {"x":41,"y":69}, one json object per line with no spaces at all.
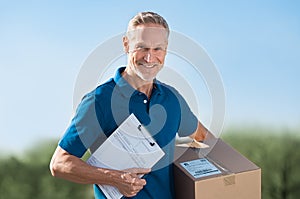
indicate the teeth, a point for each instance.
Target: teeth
{"x":149,"y":66}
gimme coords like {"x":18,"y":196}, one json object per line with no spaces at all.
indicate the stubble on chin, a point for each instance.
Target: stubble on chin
{"x":150,"y":75}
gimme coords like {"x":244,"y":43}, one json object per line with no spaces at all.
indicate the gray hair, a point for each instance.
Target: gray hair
{"x":146,"y":18}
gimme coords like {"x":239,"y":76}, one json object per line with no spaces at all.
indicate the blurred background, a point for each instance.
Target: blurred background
{"x":255,"y":46}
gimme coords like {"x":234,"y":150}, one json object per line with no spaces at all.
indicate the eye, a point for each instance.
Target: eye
{"x":158,"y":49}
{"x":142,"y":48}
{"x":139,"y":47}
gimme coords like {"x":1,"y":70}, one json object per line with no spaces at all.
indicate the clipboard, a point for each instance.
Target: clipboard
{"x":129,"y":146}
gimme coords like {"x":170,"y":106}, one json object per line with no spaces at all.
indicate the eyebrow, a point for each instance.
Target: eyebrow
{"x":145,"y":44}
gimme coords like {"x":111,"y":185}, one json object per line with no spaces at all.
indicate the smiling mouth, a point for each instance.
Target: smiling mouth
{"x":148,"y":65}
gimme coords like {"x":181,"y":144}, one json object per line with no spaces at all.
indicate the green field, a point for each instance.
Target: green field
{"x":27,"y":176}
{"x":277,"y":154}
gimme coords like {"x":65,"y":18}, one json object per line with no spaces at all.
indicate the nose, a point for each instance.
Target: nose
{"x":148,"y":56}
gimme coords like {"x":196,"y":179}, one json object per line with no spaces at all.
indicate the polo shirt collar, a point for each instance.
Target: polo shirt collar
{"x":157,"y":87}
{"x":127,"y":90}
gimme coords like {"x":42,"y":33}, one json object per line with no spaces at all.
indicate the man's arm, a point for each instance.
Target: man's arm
{"x":201,"y":133}
{"x":69,"y":167}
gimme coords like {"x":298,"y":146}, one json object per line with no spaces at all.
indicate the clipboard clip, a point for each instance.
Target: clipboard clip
{"x":140,"y":129}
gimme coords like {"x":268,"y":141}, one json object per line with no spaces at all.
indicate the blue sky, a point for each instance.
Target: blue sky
{"x":254,"y":44}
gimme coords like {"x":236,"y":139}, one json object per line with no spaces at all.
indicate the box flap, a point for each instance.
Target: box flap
{"x":221,"y":154}
{"x":229,"y":158}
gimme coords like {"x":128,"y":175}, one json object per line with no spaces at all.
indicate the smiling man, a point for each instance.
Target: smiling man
{"x":133,"y":89}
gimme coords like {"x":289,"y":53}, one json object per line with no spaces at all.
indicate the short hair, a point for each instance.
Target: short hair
{"x":147,"y":18}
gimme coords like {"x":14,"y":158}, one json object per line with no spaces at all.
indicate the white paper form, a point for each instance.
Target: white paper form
{"x":129,"y":146}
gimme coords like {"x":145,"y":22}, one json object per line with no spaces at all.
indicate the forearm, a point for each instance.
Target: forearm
{"x":76,"y":170}
{"x":72,"y":168}
{"x":202,"y":133}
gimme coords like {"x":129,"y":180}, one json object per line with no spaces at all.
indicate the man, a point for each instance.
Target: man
{"x":134,"y":89}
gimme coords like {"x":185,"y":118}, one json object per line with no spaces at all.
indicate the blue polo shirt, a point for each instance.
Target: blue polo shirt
{"x":105,"y":108}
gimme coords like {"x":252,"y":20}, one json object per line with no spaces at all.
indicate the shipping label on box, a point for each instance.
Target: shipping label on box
{"x":200,"y":168}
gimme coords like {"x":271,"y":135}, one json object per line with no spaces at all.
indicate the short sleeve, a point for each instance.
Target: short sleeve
{"x":84,"y":128}
{"x":188,"y":122}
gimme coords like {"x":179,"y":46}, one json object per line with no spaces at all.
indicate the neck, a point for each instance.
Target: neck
{"x":138,"y":83}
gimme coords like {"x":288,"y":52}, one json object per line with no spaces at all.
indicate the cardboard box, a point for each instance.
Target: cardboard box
{"x":223,"y":173}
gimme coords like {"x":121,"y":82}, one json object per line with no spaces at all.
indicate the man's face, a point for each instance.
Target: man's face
{"x":146,"y":46}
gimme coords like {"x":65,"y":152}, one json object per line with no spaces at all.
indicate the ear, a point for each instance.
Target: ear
{"x":125,"y":44}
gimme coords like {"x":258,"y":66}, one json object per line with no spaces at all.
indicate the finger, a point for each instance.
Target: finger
{"x":126,"y":176}
{"x":135,"y":182}
{"x":131,"y":194}
{"x":131,"y":179}
{"x":133,"y":190}
{"x":136,"y":188}
{"x":143,"y":171}
{"x":138,"y":170}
